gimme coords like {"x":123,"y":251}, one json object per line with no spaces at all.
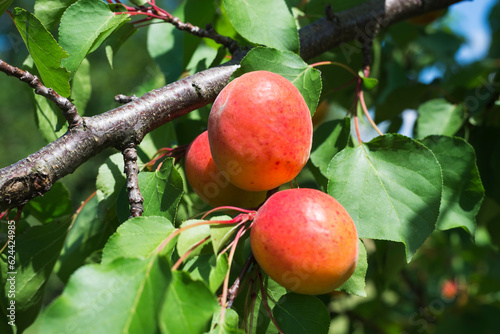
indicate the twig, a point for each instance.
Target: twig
{"x":155,"y":12}
{"x":131,"y":172}
{"x":69,"y":109}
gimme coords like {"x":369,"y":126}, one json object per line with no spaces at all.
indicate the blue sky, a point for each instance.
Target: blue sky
{"x":470,"y":19}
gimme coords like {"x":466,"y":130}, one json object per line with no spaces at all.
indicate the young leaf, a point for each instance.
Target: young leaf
{"x":391,"y":187}
{"x":44,"y":50}
{"x":355,"y":285}
{"x":85,"y":25}
{"x":137,"y":237}
{"x":463,"y":191}
{"x":36,"y":252}
{"x":265,"y":22}
{"x":306,"y":78}
{"x":188,"y":306}
{"x":300,"y":314}
{"x":438,"y":117}
{"x":123,"y":296}
{"x":368,"y":83}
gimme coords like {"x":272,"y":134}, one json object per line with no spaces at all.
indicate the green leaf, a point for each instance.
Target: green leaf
{"x":221,"y":233}
{"x":82,"y":87}
{"x":329,"y":139}
{"x":110,"y":179}
{"x":50,"y":11}
{"x":391,"y":187}
{"x":230,"y":325}
{"x":87,"y":235}
{"x":265,"y":22}
{"x":46,"y":53}
{"x":161,"y":190}
{"x":191,"y":236}
{"x":438,"y":117}
{"x":218,"y":273}
{"x":137,"y":237}
{"x":209,"y":268}
{"x":85,"y":25}
{"x":123,"y":296}
{"x":36,"y":252}
{"x":300,"y":314}
{"x":355,"y":285}
{"x":463,"y":191}
{"x":188,"y":306}
{"x":287,"y":64}
{"x":369,"y":83}
{"x":49,"y":119}
{"x":4,"y":4}
{"x":54,"y":205}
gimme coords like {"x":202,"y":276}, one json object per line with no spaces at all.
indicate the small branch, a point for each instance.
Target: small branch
{"x":131,"y":172}
{"x":69,"y":110}
{"x":155,"y":12}
{"x":123,"y":99}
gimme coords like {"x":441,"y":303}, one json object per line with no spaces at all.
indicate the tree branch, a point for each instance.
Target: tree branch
{"x":128,"y":124}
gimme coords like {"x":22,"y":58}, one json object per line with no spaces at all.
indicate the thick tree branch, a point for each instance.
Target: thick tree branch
{"x":129,"y":123}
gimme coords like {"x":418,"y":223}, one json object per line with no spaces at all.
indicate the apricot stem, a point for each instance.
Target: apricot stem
{"x":220,"y":208}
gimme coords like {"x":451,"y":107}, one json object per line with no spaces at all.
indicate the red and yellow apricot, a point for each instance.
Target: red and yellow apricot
{"x":305,"y":240}
{"x":260,"y":131}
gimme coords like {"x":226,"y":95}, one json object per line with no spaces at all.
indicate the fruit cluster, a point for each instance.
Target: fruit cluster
{"x":259,"y":137}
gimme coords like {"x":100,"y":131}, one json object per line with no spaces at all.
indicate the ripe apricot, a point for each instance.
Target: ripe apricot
{"x":260,"y":131}
{"x":305,"y":240}
{"x":212,"y":185}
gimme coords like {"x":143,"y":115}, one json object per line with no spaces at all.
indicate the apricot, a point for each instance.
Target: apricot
{"x":212,"y":185}
{"x":305,"y":240}
{"x":260,"y":131}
